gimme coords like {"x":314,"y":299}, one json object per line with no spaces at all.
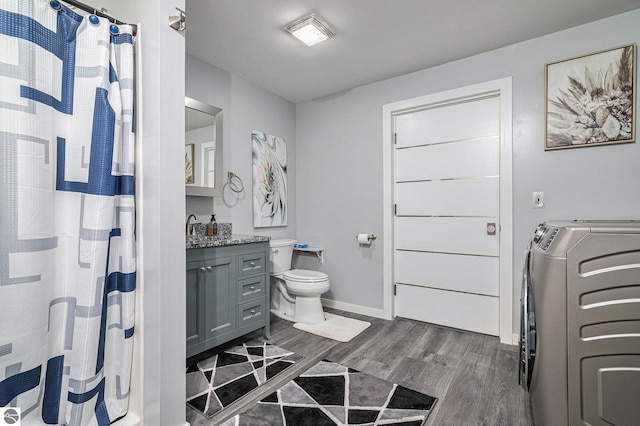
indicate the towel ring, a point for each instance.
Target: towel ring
{"x":232,"y":184}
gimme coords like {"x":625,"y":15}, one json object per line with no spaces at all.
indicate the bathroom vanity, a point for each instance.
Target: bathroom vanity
{"x":227,"y":289}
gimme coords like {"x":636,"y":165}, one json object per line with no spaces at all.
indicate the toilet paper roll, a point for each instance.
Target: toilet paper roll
{"x":364,"y":239}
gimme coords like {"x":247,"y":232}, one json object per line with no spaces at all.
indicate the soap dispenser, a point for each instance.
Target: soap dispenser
{"x":212,"y":229}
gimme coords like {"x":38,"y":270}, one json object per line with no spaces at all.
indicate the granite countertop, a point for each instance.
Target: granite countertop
{"x":202,"y":241}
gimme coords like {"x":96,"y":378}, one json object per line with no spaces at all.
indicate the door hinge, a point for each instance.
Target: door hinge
{"x":395,"y":286}
{"x":395,"y":209}
{"x":395,"y":138}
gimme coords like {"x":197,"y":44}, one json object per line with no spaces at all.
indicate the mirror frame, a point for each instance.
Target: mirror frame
{"x":203,"y":191}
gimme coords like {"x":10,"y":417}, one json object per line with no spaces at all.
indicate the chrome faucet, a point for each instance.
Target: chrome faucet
{"x":189,"y":220}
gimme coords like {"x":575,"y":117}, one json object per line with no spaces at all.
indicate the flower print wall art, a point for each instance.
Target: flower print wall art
{"x":269,"y":180}
{"x":590,"y":100}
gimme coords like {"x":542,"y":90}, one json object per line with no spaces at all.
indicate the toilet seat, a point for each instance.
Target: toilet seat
{"x":305,"y":276}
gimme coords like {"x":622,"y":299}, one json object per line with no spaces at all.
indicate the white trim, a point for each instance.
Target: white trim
{"x":358,"y":309}
{"x":506,"y":210}
{"x":503,"y":86}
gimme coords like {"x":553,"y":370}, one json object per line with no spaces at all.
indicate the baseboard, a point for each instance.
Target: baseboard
{"x":515,"y":339}
{"x":357,"y":309}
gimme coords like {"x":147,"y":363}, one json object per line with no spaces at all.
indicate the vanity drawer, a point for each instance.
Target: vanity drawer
{"x":250,"y":288}
{"x":250,"y":312}
{"x":251,"y":264}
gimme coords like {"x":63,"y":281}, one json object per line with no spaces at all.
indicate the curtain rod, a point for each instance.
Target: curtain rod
{"x":100,"y":13}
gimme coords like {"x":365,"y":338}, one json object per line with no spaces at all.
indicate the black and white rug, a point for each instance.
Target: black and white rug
{"x":332,"y":394}
{"x":216,"y":382}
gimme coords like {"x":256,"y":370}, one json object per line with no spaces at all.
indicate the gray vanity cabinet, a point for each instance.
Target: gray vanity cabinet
{"x":195,"y":309}
{"x":227,"y":294}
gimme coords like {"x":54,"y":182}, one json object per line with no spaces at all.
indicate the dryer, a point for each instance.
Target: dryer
{"x":580,"y":328}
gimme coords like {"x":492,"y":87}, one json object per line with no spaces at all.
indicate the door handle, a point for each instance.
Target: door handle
{"x":491,"y":229}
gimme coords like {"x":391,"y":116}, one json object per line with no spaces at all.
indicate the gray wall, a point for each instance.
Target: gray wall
{"x":245,"y":107}
{"x":339,"y":157}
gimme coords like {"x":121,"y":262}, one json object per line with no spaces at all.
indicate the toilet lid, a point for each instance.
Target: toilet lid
{"x":302,"y":275}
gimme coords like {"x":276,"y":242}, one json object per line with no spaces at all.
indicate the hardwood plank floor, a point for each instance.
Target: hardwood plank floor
{"x":474,"y":376}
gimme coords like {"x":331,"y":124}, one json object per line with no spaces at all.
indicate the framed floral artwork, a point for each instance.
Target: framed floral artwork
{"x":590,"y":100}
{"x":269,"y":155}
{"x":189,"y":176}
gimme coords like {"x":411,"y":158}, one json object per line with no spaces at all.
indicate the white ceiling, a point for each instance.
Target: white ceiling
{"x":376,"y":39}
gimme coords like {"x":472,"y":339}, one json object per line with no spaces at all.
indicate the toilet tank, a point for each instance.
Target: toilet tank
{"x":281,"y":252}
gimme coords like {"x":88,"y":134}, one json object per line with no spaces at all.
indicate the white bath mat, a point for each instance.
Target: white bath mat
{"x":335,"y":327}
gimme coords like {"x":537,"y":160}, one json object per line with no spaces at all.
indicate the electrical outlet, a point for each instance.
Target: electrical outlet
{"x":538,"y":200}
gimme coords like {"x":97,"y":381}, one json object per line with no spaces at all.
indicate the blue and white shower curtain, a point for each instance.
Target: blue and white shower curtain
{"x":67,"y":214}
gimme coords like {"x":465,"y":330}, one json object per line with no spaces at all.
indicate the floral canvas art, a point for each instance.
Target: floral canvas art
{"x":188,"y":164}
{"x":590,"y":100}
{"x":269,"y":180}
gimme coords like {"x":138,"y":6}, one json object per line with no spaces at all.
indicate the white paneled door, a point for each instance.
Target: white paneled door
{"x":447,"y":213}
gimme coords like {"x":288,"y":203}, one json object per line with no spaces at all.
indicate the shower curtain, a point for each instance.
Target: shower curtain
{"x":67,"y":215}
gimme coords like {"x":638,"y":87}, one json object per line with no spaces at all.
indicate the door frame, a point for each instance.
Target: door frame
{"x":502,"y":87}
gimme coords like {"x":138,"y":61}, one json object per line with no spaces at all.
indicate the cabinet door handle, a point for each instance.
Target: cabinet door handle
{"x":253,"y":264}
{"x":203,"y":269}
{"x":209,"y":268}
{"x":253,"y":287}
{"x":253,"y":312}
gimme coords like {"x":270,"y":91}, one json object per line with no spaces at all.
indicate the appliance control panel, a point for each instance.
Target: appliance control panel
{"x":544,"y":236}
{"x":548,"y":239}
{"x":539,"y":233}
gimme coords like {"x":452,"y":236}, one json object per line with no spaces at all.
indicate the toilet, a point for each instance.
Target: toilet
{"x":295,"y":293}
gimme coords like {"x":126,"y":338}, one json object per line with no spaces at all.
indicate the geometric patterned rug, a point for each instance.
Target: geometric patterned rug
{"x":221,"y":379}
{"x":332,"y":394}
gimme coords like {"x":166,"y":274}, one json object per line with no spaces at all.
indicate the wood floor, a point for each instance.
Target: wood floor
{"x":474,"y":376}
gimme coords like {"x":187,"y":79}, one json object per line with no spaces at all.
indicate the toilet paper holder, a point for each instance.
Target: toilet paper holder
{"x":370,"y":237}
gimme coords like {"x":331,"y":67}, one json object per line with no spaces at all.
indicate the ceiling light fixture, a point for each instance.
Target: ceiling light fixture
{"x":310,"y":30}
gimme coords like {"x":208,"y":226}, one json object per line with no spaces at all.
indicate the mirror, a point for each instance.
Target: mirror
{"x":203,"y":149}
